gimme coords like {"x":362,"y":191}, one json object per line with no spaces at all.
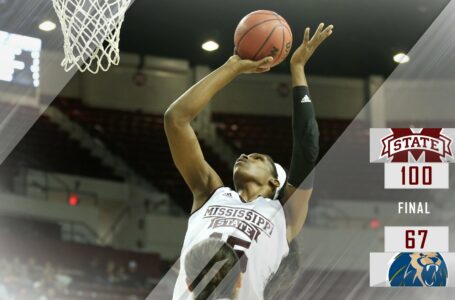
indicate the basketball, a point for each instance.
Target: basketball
{"x":263,"y":33}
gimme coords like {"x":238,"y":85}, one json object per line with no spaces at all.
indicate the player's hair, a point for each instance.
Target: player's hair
{"x":223,"y":283}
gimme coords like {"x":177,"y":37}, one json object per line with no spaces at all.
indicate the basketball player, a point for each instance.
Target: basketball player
{"x":250,"y":218}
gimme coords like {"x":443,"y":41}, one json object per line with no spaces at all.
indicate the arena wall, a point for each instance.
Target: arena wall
{"x":12,"y":204}
{"x":339,"y":98}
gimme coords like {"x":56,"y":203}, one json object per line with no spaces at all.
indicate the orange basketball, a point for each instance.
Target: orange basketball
{"x":263,"y":33}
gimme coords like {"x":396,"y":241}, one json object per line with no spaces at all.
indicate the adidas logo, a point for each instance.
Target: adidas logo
{"x":305,"y":99}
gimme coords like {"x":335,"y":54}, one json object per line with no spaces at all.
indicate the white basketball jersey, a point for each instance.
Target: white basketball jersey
{"x":258,"y":228}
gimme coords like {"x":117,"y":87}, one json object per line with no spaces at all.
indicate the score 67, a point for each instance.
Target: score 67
{"x":410,"y":240}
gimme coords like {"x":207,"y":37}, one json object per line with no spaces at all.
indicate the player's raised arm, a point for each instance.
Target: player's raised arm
{"x":305,"y":149}
{"x":185,"y":149}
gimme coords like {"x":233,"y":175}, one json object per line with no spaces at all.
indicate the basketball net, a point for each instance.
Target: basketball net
{"x":91,"y":32}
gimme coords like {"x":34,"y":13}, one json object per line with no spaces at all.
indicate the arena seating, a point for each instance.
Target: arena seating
{"x":139,"y":139}
{"x":46,"y":147}
{"x":29,"y":227}
{"x":61,"y":270}
{"x":249,"y":133}
{"x":271,"y":134}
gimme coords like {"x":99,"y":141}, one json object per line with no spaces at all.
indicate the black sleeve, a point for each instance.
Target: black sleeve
{"x":305,"y":148}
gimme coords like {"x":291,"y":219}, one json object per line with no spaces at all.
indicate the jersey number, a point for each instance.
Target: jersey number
{"x":233,"y":241}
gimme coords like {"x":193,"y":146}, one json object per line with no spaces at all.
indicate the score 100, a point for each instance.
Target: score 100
{"x":416,"y":175}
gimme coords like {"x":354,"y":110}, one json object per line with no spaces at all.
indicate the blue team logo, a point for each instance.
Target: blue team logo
{"x":418,"y":269}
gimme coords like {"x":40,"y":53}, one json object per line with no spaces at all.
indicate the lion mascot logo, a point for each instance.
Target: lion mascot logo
{"x":418,"y":269}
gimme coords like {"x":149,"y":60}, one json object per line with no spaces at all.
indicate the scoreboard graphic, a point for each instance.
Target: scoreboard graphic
{"x":413,"y":158}
{"x":413,"y":257}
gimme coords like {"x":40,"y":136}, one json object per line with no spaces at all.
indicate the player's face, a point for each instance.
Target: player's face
{"x":254,"y":166}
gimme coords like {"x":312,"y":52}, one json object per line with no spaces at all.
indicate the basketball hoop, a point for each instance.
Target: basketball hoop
{"x":91,"y":32}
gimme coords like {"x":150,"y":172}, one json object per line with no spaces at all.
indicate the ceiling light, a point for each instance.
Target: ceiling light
{"x":401,"y":58}
{"x":210,"y":46}
{"x":47,"y":26}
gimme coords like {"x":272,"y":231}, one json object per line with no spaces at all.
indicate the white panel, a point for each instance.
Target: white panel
{"x":436,"y":239}
{"x":416,"y":175}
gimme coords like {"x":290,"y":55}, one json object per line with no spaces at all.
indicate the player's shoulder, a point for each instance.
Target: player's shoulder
{"x":223,"y":193}
{"x":215,"y":194}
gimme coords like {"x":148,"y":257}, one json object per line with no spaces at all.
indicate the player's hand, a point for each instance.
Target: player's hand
{"x":246,"y":66}
{"x":303,"y":53}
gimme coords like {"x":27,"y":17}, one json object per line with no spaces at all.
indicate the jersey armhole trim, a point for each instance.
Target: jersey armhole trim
{"x":208,"y":198}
